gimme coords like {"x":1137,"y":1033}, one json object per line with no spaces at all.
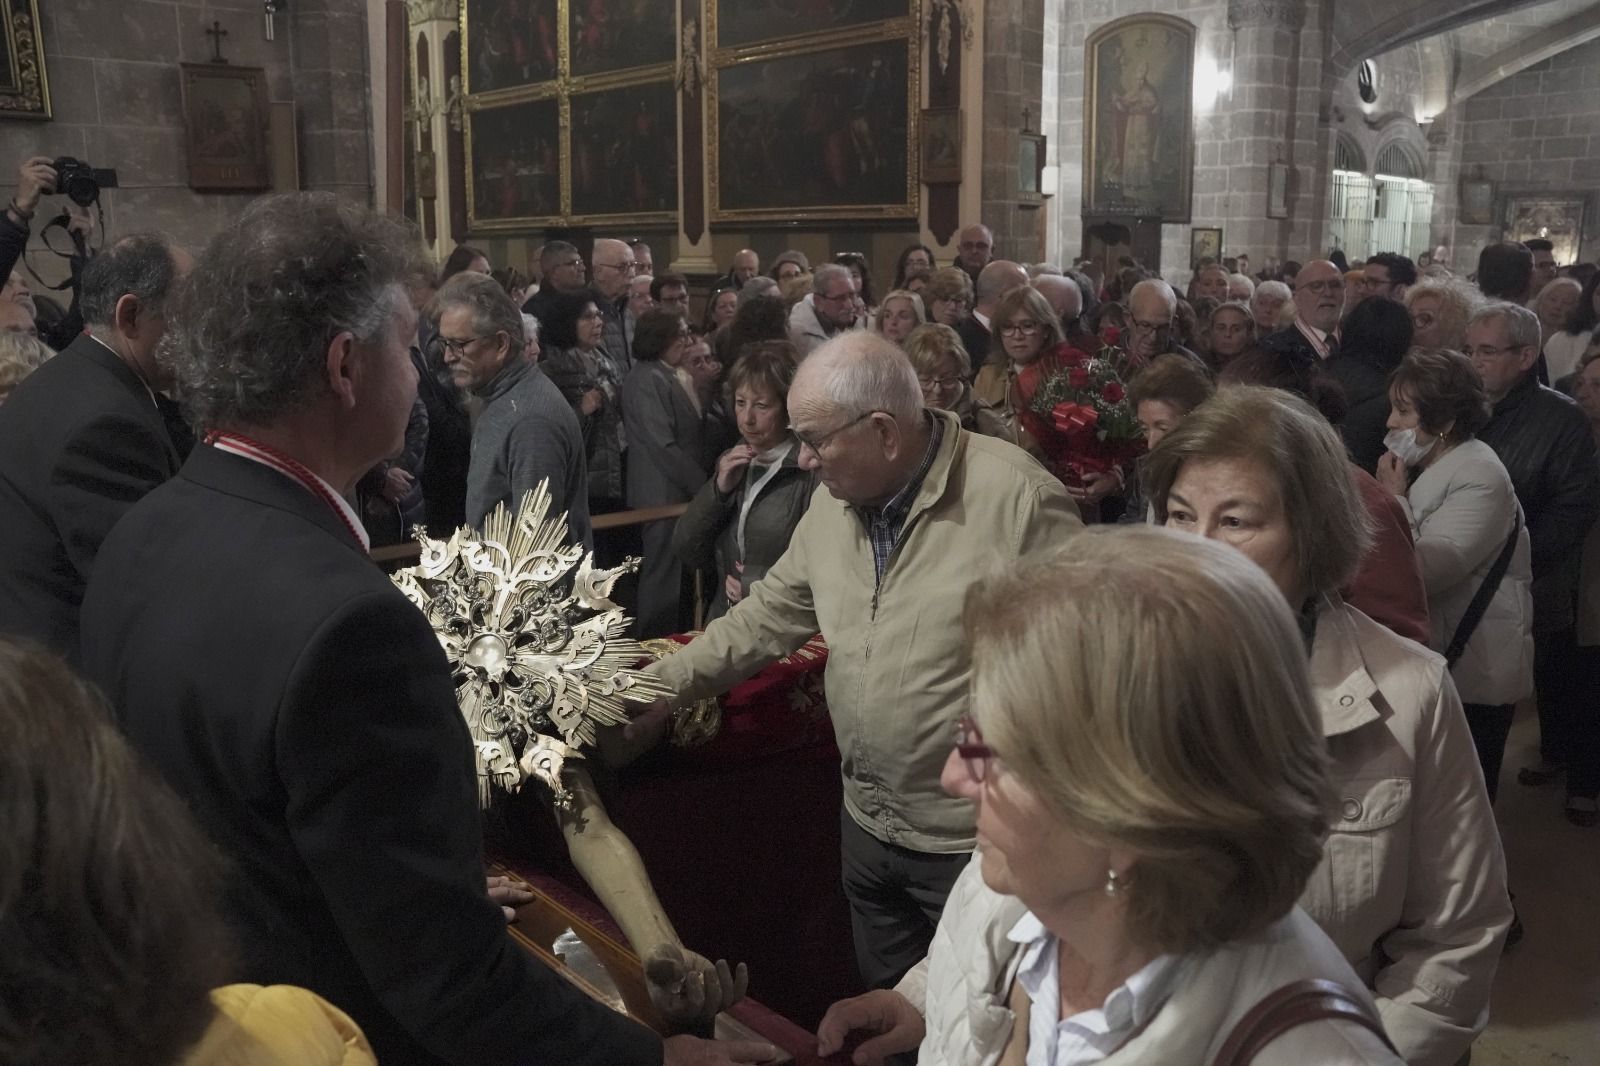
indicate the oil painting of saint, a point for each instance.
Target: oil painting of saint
{"x":1140,"y":158}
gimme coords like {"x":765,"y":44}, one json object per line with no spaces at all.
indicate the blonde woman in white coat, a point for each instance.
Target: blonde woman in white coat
{"x":1463,"y":510}
{"x":1150,"y":785}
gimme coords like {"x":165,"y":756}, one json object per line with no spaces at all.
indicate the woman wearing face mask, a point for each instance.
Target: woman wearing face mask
{"x":1465,"y":516}
{"x":741,"y":520}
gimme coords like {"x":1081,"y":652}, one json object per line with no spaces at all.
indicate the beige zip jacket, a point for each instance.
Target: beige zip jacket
{"x":898,"y":664}
{"x":1412,"y":886}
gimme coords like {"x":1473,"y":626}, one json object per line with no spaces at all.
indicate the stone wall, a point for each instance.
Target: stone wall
{"x":1535,"y":132}
{"x":1013,"y":73}
{"x":114,"y":84}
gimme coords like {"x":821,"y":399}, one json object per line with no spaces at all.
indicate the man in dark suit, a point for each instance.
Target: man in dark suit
{"x":83,"y":439}
{"x":1318,"y":306}
{"x":994,"y":280}
{"x":292,"y":695}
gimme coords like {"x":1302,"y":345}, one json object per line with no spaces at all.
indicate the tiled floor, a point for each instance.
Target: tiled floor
{"x":1546,"y":1008}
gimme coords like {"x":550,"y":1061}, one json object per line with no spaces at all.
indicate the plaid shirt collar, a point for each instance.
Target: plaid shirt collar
{"x":885,"y":523}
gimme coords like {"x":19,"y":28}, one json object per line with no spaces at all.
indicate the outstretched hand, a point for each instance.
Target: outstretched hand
{"x":897,"y":1023}
{"x":687,"y":989}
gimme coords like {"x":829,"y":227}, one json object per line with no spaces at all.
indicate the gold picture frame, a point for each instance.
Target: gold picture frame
{"x":1138,"y":118}
{"x":875,"y":170}
{"x":24,"y":85}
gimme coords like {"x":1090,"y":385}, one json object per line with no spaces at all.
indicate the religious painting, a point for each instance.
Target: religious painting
{"x":1477,"y":202}
{"x":511,"y":43}
{"x":821,"y":133}
{"x":609,"y":35}
{"x":941,"y":145}
{"x":1204,"y":243}
{"x":1556,"y":218}
{"x":1138,"y":116}
{"x":24,"y":89}
{"x":625,"y":151}
{"x":226,"y":118}
{"x":514,"y":171}
{"x":743,"y":22}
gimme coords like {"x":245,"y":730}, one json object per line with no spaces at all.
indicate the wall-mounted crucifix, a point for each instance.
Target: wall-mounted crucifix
{"x":216,"y":33}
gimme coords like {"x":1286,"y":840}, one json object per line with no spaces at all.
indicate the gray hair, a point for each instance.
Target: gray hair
{"x":1276,"y":289}
{"x":492,"y":310}
{"x":270,"y":293}
{"x":760,"y":285}
{"x":1521,"y":324}
{"x":1038,"y":270}
{"x":826,"y":274}
{"x":1234,"y":279}
{"x":139,"y":265}
{"x":868,"y":373}
{"x":20,"y":355}
{"x":530,"y":326}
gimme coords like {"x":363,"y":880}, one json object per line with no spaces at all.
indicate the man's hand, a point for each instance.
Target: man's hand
{"x":1097,"y":488}
{"x":688,"y":989}
{"x":591,"y":401}
{"x":649,"y":722}
{"x":692,"y":1051}
{"x":396,"y":483}
{"x":35,"y":178}
{"x":509,"y":894}
{"x":733,"y":586}
{"x":882,"y":1011}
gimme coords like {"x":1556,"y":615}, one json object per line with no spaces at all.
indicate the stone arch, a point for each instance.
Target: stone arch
{"x":1347,"y":154}
{"x":1399,"y":158}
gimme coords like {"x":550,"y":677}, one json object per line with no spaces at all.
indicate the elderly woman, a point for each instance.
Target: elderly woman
{"x":943,"y":369}
{"x":948,"y":296}
{"x":1564,"y":348}
{"x":1271,"y":305}
{"x":1162,"y":395}
{"x":20,"y":355}
{"x":899,"y":314}
{"x":666,"y":458}
{"x":741,"y":520}
{"x":1464,"y":513}
{"x":1412,"y":885}
{"x":1111,"y":913}
{"x":1440,"y":310}
{"x":1231,"y":331}
{"x":575,"y":361}
{"x":1554,"y":305}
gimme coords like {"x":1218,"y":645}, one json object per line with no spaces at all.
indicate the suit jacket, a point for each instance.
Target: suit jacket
{"x":666,"y":444}
{"x":1291,"y":342}
{"x":82,"y":441}
{"x":305,"y":710}
{"x":976,"y":339}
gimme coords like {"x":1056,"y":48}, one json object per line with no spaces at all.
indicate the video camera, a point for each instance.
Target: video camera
{"x":81,"y":183}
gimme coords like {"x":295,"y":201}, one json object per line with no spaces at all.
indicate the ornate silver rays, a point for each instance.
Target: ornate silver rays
{"x":540,"y":653}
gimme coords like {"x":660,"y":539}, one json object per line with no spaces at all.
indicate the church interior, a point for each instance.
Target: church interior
{"x":904,"y":150}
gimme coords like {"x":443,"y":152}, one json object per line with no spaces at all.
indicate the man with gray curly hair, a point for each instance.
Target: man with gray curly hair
{"x":291,"y":693}
{"x":84,"y":438}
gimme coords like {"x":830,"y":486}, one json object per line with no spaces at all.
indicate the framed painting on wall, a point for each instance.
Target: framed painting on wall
{"x":736,"y":23}
{"x":514,"y":164}
{"x":822,"y":132}
{"x":24,"y":89}
{"x":1555,"y":217}
{"x":1138,"y":118}
{"x":625,"y":153}
{"x":1477,"y":202}
{"x":941,"y":145}
{"x":226,"y":118}
{"x":510,"y":43}
{"x":609,"y":35}
{"x":1205,"y":242}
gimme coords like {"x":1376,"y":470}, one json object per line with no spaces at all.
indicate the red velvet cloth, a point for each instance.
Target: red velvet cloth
{"x":1388,"y":588}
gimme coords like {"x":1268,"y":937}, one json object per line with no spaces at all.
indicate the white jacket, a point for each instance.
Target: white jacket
{"x":1412,"y":886}
{"x":963,"y":986}
{"x":1461,"y":512}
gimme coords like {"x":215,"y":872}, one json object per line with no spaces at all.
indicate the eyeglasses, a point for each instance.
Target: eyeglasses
{"x":816,"y":444}
{"x":1150,"y":327}
{"x":590,"y":316}
{"x":942,"y":383}
{"x":460,"y":346}
{"x":837,"y":297}
{"x":570,"y":263}
{"x":620,"y":268}
{"x":1320,"y":287}
{"x":1485,"y":351}
{"x":1025,"y":328}
{"x":973,"y":751}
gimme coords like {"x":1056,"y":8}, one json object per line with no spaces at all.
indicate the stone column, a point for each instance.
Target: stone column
{"x":1013,"y":79}
{"x":1266,"y":82}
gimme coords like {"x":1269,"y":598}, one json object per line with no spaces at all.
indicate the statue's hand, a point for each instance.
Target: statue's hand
{"x":688,"y":989}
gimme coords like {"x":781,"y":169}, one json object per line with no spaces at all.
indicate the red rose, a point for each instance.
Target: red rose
{"x":1113,"y":392}
{"x":1077,"y":377}
{"x":1112,"y":336}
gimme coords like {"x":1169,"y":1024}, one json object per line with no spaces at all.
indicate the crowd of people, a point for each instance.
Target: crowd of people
{"x":1116,"y":793}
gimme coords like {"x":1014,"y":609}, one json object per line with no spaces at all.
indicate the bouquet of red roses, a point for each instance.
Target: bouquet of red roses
{"x":1075,"y":406}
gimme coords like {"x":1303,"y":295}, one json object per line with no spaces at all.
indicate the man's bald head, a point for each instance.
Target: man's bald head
{"x":1152,"y":297}
{"x":746,"y":265}
{"x":1061,"y":293}
{"x":997,"y":279}
{"x":858,"y":370}
{"x":1151,"y":307}
{"x":1319,"y":294}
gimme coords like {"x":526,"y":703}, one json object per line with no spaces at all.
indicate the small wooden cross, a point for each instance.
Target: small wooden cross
{"x":1027,"y":119}
{"x":216,"y":33}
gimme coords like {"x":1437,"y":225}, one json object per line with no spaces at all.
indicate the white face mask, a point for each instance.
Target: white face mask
{"x":1404,"y":443}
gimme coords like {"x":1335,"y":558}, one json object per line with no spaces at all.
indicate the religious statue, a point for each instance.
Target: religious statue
{"x":543,"y":665}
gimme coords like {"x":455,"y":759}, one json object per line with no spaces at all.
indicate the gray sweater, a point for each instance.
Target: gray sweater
{"x":527,"y":433}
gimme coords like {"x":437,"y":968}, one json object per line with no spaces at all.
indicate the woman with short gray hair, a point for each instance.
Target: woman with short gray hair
{"x":1412,"y":886}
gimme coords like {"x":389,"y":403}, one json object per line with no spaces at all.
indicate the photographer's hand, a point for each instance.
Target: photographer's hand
{"x":36,"y":177}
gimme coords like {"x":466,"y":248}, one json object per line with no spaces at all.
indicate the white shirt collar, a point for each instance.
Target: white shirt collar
{"x":337,"y":496}
{"x":1088,"y":1036}
{"x":981,"y":317}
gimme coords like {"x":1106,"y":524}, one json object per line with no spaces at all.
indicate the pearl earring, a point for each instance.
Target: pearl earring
{"x":1111,"y":883}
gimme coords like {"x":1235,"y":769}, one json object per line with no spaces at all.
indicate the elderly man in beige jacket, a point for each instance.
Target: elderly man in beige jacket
{"x":912,"y":509}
